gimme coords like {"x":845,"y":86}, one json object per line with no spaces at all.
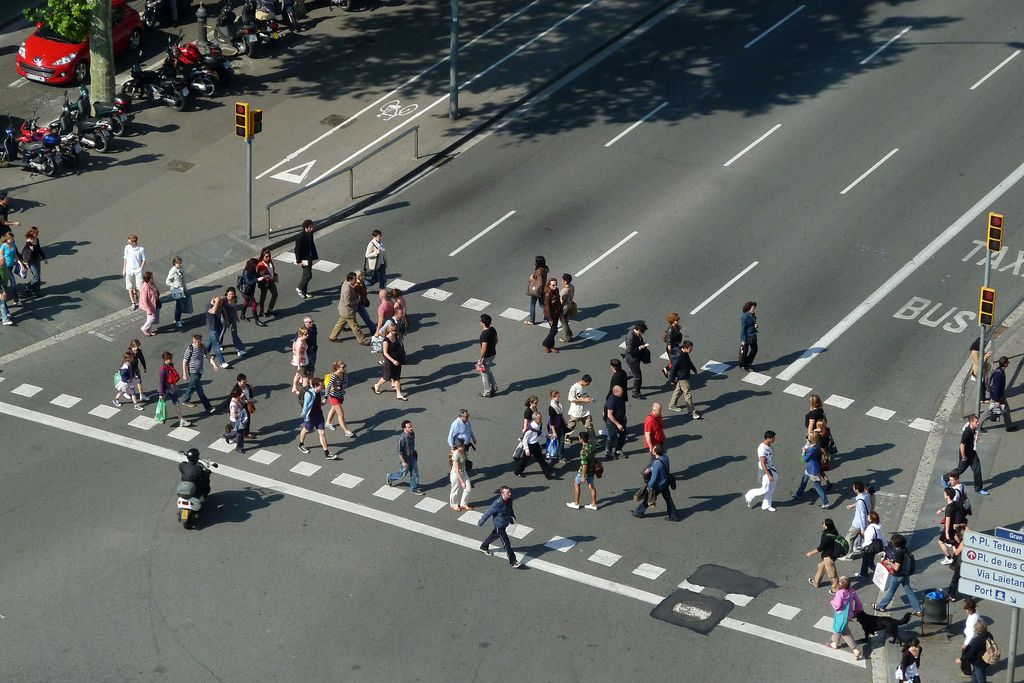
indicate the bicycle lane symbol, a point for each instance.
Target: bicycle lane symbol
{"x":394,"y":108}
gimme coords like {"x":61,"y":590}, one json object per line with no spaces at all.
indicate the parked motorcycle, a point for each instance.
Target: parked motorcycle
{"x":200,"y":79}
{"x":190,"y":503}
{"x":115,"y":113}
{"x":92,"y":133}
{"x":41,"y":156}
{"x":256,"y":32}
{"x":189,"y":56}
{"x":156,"y":85}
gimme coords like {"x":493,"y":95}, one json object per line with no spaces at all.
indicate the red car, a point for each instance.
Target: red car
{"x":49,"y":58}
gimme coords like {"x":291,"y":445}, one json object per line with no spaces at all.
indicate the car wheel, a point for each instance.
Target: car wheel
{"x":134,"y":40}
{"x":82,"y":72}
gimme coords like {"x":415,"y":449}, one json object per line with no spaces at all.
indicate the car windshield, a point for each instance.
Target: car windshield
{"x":46,"y":32}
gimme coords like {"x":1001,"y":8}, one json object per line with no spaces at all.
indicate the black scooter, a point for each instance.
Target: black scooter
{"x":156,"y":85}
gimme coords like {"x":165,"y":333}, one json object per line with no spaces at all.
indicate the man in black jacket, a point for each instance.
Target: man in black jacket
{"x":619,"y":379}
{"x":305,"y":255}
{"x":679,"y":374}
{"x":997,"y":393}
{"x":637,"y":351}
{"x":503,"y":515}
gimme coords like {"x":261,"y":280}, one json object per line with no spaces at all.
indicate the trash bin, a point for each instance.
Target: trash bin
{"x":935,"y":607}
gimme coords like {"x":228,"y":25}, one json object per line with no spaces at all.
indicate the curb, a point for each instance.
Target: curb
{"x":441,"y":157}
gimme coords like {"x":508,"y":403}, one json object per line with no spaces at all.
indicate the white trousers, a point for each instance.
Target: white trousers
{"x":767,"y":490}
{"x":454,"y":479}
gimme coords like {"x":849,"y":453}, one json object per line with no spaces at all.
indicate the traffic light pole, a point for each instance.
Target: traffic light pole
{"x":248,"y":183}
{"x":453,"y":63}
{"x":981,"y":341}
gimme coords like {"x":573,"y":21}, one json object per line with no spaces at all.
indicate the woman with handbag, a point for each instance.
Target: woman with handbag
{"x":394,"y":359}
{"x":6,"y":281}
{"x":459,"y":477}
{"x":149,"y":301}
{"x":556,"y":424}
{"x":828,"y":450}
{"x":267,"y":281}
{"x":336,"y":397}
{"x":909,"y":668}
{"x":552,"y":313}
{"x":175,"y":282}
{"x":845,"y":605}
{"x":249,"y":281}
{"x":874,"y":543}
{"x":532,"y":448}
{"x":238,"y":411}
{"x":33,"y":255}
{"x":535,"y":287}
{"x":812,"y":456}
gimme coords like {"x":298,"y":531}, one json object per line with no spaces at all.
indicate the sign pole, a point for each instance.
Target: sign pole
{"x":1011,"y":650}
{"x":453,"y":62}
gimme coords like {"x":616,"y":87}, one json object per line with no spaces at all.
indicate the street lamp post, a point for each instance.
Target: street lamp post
{"x":453,"y":76}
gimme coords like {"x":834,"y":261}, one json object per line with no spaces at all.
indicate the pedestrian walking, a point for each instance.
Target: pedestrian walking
{"x":347,"y":305}
{"x":535,"y":287}
{"x":681,"y":368}
{"x":567,"y":295}
{"x":579,"y":409}
{"x":248,"y":397}
{"x":313,"y":401}
{"x":827,"y":552}
{"x":375,"y":260}
{"x":619,"y":379}
{"x":215,"y":329}
{"x":6,"y":283}
{"x":385,"y":308}
{"x":816,"y":412}
{"x":248,"y":281}
{"x":299,"y":359}
{"x":659,"y":484}
{"x":973,"y":656}
{"x":394,"y":360}
{"x":903,"y":566}
{"x":971,"y":619}
{"x":192,"y":372}
{"x":178,"y":290}
{"x":267,"y":282}
{"x":399,"y":320}
{"x":953,"y":590}
{"x":503,"y":514}
{"x":138,"y":361}
{"x":364,"y":302}
{"x":488,"y":352}
{"x":588,"y":465}
{"x":408,"y":458}
{"x":312,"y":345}
{"x":638,"y":352}
{"x":672,"y":338}
{"x":556,"y":424}
{"x":615,"y":424}
{"x":654,"y":430}
{"x":998,"y":407}
{"x":985,"y":367}
{"x":828,"y":451}
{"x":34,"y":257}
{"x":5,"y":212}
{"x":461,"y":429}
{"x":861,"y":506}
{"x":458,"y":477}
{"x":909,"y":668}
{"x":149,"y":302}
{"x":167,"y":387}
{"x":811,"y":455}
{"x":127,"y":383}
{"x":953,"y":515}
{"x":767,"y":472}
{"x":846,"y":606}
{"x":531,"y":404}
{"x":531,"y":447}
{"x":15,"y":266}
{"x":969,"y":453}
{"x":335,"y":388}
{"x":229,"y":309}
{"x":552,"y":313}
{"x":748,"y":336}
{"x":874,"y":543}
{"x":133,"y":262}
{"x":305,"y":257}
{"x":239,"y":415}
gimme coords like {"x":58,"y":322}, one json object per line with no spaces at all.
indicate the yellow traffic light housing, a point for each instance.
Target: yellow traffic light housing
{"x":243,"y":123}
{"x":995,"y":232}
{"x":987,"y":307}
{"x":257,"y":121}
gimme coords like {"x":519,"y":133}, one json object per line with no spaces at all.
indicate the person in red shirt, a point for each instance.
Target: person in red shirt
{"x":654,"y":429}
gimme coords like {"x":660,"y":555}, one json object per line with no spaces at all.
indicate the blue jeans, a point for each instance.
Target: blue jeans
{"x":533,"y":309}
{"x":213,"y":345}
{"x":366,"y":319}
{"x":238,"y":343}
{"x":817,"y":487}
{"x":978,"y":674}
{"x":195,"y":384}
{"x":904,"y":581}
{"x":615,"y":441}
{"x":4,"y":312}
{"x":35,"y":271}
{"x":413,"y":470}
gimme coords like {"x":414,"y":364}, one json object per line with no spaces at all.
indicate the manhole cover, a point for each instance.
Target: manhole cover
{"x":333,"y":120}
{"x":179,"y":166}
{"x":695,"y":611}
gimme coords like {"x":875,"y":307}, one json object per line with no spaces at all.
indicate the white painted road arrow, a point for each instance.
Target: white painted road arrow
{"x":292,"y":175}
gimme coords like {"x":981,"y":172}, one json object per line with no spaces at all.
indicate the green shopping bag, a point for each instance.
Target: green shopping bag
{"x":161,"y":410}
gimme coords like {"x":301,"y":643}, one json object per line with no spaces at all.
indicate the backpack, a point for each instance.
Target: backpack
{"x":992,"y":655}
{"x":327,"y":380}
{"x":842,"y":545}
{"x":240,"y":281}
{"x":172,"y":375}
{"x":965,"y":505}
{"x":911,"y":567}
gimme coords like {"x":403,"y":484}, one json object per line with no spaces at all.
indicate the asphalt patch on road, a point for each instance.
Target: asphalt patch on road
{"x":729,"y":580}
{"x":697,"y":612}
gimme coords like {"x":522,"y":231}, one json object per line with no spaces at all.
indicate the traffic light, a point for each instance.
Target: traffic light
{"x":995,"y":231}
{"x":257,"y":121}
{"x":987,"y":307}
{"x":243,"y":127}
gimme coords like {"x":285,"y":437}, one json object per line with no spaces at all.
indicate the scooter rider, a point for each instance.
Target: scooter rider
{"x":195,"y":472}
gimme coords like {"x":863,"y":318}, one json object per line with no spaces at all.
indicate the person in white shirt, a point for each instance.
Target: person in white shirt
{"x":579,"y":409}
{"x":971,"y":610}
{"x":376,"y":263}
{"x":769,"y":475}
{"x":861,"y":506}
{"x":872,"y":533}
{"x":133,"y":263}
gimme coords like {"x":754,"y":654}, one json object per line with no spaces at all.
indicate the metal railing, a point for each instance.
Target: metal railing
{"x":350,"y":169}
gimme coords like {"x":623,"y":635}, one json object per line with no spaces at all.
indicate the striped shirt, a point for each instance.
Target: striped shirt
{"x":194,"y":358}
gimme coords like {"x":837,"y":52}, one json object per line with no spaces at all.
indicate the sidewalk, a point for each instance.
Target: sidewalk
{"x":1002,"y":468}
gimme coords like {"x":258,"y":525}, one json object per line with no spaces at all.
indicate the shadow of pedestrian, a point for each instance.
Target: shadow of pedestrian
{"x":233,"y":507}
{"x":63,"y":248}
{"x":722,"y":400}
{"x":705,"y":466}
{"x":545,"y":381}
{"x":707,"y":504}
{"x":864,"y":451}
{"x":766,"y":366}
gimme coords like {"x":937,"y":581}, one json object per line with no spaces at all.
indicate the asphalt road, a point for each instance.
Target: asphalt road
{"x":684,"y":203}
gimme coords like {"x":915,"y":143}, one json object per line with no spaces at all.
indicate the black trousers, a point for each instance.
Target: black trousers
{"x":537,"y":454}
{"x":634,"y":367}
{"x":666,"y":496}
{"x":307,"y":275}
{"x":748,"y":351}
{"x":495,"y":534}
{"x":975,"y":465}
{"x":272,"y":287}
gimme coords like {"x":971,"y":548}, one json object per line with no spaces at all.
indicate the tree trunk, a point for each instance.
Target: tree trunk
{"x":101,"y":53}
